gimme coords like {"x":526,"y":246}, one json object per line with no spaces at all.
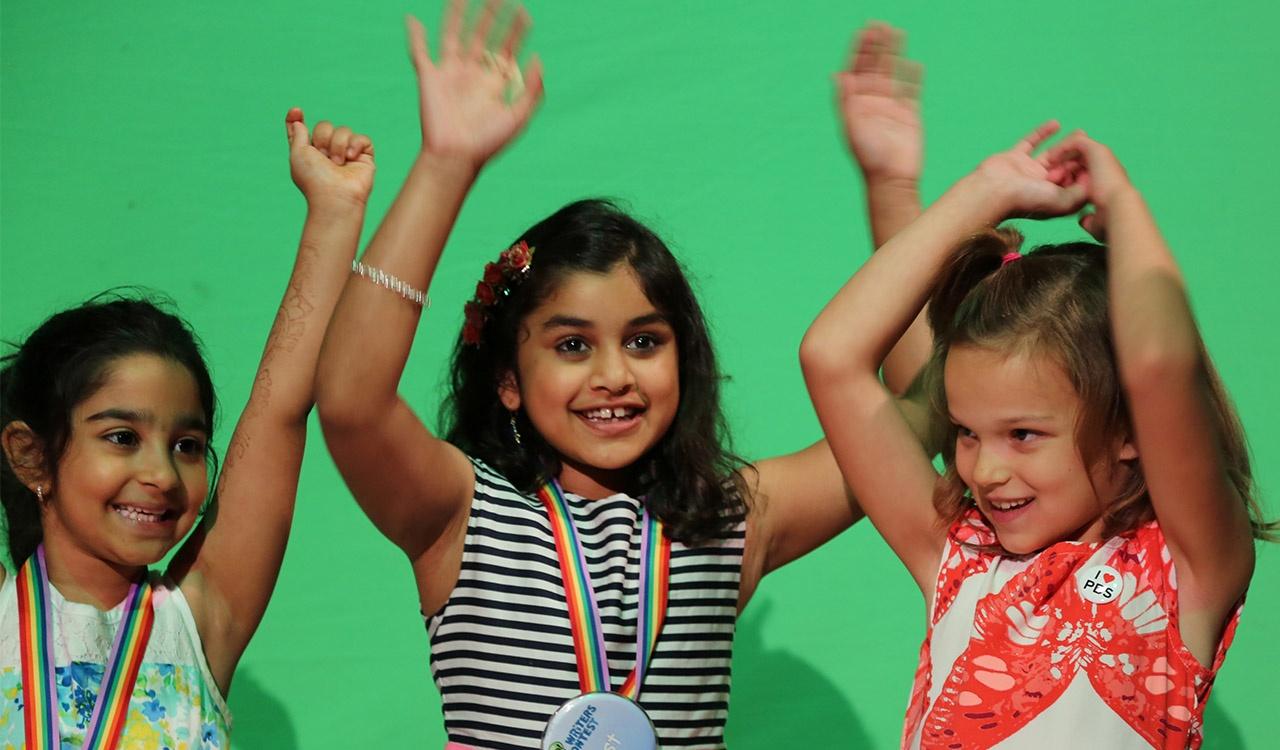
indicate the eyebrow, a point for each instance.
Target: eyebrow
{"x":568,"y":321}
{"x":184,"y":422}
{"x":1012,"y":420}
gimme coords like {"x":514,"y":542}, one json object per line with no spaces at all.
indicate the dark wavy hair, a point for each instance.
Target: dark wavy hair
{"x":1054,"y":301}
{"x":690,"y":479}
{"x":63,"y":362}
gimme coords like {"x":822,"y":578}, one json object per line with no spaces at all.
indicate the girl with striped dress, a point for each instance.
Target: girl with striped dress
{"x":578,"y":527}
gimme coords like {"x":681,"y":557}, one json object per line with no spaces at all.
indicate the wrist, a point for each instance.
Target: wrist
{"x":990,"y":200}
{"x":337,"y":205}
{"x":447,"y":169}
{"x":1118,"y":198}
{"x":892,"y":187}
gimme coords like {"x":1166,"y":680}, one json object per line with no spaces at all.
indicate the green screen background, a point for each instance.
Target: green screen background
{"x":142,"y":144}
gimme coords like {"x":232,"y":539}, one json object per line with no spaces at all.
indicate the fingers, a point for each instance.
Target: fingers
{"x":339,"y":144}
{"x":520,"y":23}
{"x":361,"y":147}
{"x":450,"y":41}
{"x":1095,"y":225}
{"x":908,"y":80}
{"x":480,"y":32}
{"x":1036,"y":137}
{"x":295,"y":128}
{"x":523,"y":106}
{"x":417,"y":38}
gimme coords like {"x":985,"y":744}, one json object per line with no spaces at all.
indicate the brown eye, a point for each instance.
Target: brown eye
{"x":574,"y":345}
{"x":643,"y":341}
{"x":190,"y":446}
{"x":124,"y":438}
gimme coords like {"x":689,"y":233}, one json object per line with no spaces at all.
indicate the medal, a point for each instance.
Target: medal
{"x":599,"y":719}
{"x":39,"y":684}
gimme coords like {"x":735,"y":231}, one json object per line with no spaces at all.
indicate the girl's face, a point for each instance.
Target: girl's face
{"x":1016,"y":448}
{"x":598,"y":376}
{"x":133,"y":477}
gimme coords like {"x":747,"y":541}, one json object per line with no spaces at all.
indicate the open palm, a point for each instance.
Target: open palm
{"x":880,"y":106}
{"x":475,"y":99}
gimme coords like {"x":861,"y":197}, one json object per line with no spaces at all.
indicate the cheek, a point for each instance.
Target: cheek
{"x":964,"y":462}
{"x":83,"y":473}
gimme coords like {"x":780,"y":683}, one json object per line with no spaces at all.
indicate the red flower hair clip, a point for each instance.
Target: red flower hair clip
{"x":498,"y":281}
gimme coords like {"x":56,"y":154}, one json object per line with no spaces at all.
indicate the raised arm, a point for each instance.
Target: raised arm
{"x":414,"y":486}
{"x":1180,"y":437}
{"x":228,"y":568}
{"x":800,"y":499}
{"x":879,"y":455}
{"x":879,"y":100}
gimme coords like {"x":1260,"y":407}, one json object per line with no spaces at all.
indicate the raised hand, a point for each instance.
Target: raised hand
{"x":1031,"y":186}
{"x":879,"y":98}
{"x":1086,"y":162}
{"x":475,"y":99}
{"x":330,"y":162}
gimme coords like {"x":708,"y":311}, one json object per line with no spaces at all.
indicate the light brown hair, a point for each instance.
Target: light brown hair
{"x":1053,"y":302}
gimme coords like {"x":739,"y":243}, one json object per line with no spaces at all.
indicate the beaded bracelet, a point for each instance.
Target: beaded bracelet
{"x":387,"y":281}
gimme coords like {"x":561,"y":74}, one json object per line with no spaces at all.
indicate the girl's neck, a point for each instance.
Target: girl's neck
{"x":85,"y":578}
{"x":593,"y":483}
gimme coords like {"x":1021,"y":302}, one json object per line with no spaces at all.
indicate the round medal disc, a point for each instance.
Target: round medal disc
{"x":599,"y":721}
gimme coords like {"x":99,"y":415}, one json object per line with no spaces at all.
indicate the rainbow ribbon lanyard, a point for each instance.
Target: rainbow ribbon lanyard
{"x":39,"y":686}
{"x":584,"y":615}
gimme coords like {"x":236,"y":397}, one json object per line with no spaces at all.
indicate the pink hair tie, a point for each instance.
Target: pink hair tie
{"x":1009,"y":257}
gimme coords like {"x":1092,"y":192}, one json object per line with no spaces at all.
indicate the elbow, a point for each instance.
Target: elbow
{"x":819,"y":360}
{"x":341,"y":405}
{"x":1160,"y":363}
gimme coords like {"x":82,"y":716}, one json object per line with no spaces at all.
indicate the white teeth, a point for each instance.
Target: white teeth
{"x":138,"y":514}
{"x":1012,"y":504}
{"x":606,"y":413}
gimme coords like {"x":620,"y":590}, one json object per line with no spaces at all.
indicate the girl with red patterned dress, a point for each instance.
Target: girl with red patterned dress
{"x":1086,"y":551}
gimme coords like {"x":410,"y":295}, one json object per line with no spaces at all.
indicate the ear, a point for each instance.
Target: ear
{"x":509,"y":391}
{"x":1128,"y":451}
{"x":25,"y":451}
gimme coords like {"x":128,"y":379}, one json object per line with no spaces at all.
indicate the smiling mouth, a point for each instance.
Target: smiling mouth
{"x":141,"y":515}
{"x":613,"y":415}
{"x":1009,"y":505}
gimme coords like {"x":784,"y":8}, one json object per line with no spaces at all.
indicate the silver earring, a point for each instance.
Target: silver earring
{"x":515,"y":431}
{"x":40,"y":494}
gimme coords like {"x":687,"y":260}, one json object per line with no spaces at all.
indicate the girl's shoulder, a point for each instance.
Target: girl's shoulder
{"x":492,"y":486}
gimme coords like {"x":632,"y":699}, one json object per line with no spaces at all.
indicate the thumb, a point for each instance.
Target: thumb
{"x":295,"y":129}
{"x":1095,"y":226}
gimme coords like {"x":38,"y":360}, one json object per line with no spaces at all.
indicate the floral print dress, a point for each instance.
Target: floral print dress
{"x":176,"y":704}
{"x":1075,"y":646}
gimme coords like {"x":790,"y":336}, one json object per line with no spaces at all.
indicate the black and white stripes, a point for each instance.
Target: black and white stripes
{"x":502,"y":649}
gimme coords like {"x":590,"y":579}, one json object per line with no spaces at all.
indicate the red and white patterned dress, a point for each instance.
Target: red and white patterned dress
{"x":1075,"y":646}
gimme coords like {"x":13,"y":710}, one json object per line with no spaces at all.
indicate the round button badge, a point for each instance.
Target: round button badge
{"x":1099,"y":584}
{"x":599,"y":721}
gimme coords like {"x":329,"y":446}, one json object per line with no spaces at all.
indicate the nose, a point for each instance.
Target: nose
{"x":157,"y":468}
{"x":989,"y":468}
{"x":611,"y":372}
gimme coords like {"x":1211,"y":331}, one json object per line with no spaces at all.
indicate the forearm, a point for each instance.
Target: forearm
{"x":888,"y":292}
{"x":892,"y":204}
{"x":1155,"y":331}
{"x":372,"y":330}
{"x":284,"y":385}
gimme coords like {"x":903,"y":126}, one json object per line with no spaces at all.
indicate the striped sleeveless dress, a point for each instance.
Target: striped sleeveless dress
{"x":502,"y":648}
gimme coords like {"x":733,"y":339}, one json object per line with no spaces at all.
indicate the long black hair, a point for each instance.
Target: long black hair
{"x":689,"y":478}
{"x":63,"y":362}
